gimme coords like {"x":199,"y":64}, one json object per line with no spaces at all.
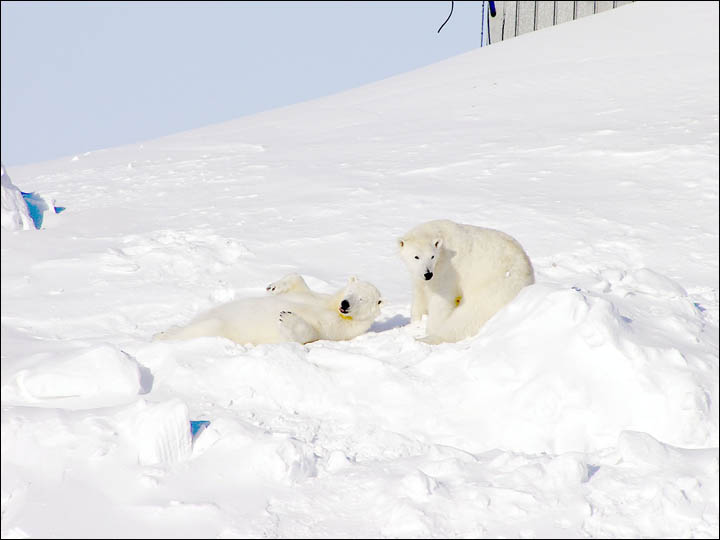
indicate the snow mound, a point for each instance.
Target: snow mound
{"x":98,"y":376}
{"x":15,"y":214}
{"x":161,"y":431}
{"x":661,"y":490}
{"x":560,"y":369}
{"x":597,"y":373}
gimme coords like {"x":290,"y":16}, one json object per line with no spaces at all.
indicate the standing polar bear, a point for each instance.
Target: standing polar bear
{"x":292,"y":313}
{"x":462,"y":275}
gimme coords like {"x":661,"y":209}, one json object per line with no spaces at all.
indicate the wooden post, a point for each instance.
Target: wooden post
{"x":519,"y":17}
{"x":584,"y":8}
{"x":525,"y":17}
{"x":564,"y":12}
{"x":545,"y":12}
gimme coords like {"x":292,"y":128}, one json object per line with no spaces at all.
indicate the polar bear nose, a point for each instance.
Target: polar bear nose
{"x":344,"y":306}
{"x":428,"y":275}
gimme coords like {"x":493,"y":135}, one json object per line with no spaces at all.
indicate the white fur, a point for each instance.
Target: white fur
{"x":483,"y":268}
{"x":292,"y":313}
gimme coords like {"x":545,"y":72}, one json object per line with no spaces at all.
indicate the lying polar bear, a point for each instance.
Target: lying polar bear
{"x":293,"y":313}
{"x":462,"y":275}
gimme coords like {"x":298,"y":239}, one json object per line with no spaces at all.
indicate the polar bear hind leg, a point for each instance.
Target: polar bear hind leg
{"x":472,"y":312}
{"x":201,"y":328}
{"x":463,"y":322}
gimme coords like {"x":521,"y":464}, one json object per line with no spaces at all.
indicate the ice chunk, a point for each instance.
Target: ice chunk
{"x":15,"y":214}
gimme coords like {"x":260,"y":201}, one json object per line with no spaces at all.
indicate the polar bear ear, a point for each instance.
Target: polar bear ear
{"x":438,"y":242}
{"x":352,"y":279}
{"x":400,"y":242}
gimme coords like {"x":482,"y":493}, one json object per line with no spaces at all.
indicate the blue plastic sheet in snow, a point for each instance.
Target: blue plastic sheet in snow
{"x":196,"y":427}
{"x":37,"y":207}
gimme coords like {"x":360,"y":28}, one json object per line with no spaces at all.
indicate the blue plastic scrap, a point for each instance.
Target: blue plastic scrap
{"x":37,"y":206}
{"x":197,"y":426}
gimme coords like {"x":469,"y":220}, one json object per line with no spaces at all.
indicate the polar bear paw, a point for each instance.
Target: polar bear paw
{"x":290,"y":283}
{"x":431,"y":340}
{"x":286,"y":318}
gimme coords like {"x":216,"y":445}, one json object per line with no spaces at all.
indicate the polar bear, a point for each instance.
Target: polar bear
{"x":462,"y":275}
{"x":292,"y":312}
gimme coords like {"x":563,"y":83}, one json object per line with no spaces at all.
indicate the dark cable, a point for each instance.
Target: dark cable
{"x":452,"y":5}
{"x":482,"y":26}
{"x":502,"y":33}
{"x":490,"y":14}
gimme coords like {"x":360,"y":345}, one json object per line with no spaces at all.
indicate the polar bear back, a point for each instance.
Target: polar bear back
{"x":478,"y":254}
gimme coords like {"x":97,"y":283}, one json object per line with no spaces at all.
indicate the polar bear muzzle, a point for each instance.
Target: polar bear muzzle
{"x":344,"y":309}
{"x":428,"y":276}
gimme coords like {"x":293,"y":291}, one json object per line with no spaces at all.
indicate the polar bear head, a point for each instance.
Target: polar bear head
{"x":359,"y":301}
{"x":420,"y":255}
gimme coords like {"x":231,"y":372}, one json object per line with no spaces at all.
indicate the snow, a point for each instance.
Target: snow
{"x":21,"y":210}
{"x":588,"y":407}
{"x":79,"y":378}
{"x":15,"y":214}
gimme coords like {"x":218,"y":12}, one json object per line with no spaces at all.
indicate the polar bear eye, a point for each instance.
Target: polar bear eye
{"x":379,"y":302}
{"x":432,"y":257}
{"x":418,"y":258}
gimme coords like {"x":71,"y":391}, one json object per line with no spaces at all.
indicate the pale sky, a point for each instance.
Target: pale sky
{"x":80,"y":76}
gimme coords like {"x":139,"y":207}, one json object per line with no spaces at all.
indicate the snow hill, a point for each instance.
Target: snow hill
{"x":588,"y":407}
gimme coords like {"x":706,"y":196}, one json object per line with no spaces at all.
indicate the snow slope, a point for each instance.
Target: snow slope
{"x":587,"y":407}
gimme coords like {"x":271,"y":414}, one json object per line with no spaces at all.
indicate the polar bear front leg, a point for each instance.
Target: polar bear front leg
{"x":295,"y":328}
{"x":419,"y":304}
{"x":290,"y":283}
